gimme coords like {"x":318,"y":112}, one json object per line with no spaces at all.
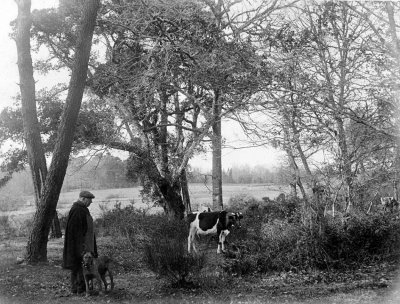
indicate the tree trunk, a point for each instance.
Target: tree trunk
{"x":216,"y":155}
{"x":171,"y":193}
{"x":36,"y":156}
{"x":396,"y":101}
{"x":55,"y":229}
{"x":163,"y":135}
{"x":185,"y":192}
{"x":345,"y":163}
{"x":36,"y":250}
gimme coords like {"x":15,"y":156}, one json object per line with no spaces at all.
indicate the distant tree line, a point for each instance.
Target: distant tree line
{"x":99,"y":172}
{"x":240,"y":175}
{"x":108,"y":171}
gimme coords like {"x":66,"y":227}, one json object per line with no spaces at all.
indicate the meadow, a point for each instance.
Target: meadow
{"x":200,"y":195}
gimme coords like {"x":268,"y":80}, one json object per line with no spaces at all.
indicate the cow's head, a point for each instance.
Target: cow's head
{"x":234,"y":219}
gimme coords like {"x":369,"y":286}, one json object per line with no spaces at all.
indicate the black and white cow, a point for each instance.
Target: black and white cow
{"x":389,"y":203}
{"x":211,"y":223}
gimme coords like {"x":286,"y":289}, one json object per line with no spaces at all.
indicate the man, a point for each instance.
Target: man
{"x":79,"y":237}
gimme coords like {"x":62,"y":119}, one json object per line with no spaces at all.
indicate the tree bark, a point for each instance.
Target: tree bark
{"x":217,"y":155}
{"x":345,"y":163}
{"x":32,"y":138}
{"x":396,"y":101}
{"x":185,"y":192}
{"x":171,"y":193}
{"x":36,"y":155}
{"x":163,"y":135}
{"x":36,"y":250}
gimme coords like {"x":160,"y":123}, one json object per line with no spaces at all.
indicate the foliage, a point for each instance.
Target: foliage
{"x":165,"y":64}
{"x":128,"y":228}
{"x":240,"y":202}
{"x":10,"y":203}
{"x":271,"y":239}
{"x":154,"y":239}
{"x":7,"y":231}
{"x":101,"y":171}
{"x":166,"y":253}
{"x":363,"y":237}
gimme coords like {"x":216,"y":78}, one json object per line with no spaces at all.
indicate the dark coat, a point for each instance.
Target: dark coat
{"x":74,"y":238}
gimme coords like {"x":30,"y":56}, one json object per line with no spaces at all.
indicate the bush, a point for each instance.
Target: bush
{"x":5,"y":227}
{"x":138,"y":236}
{"x":10,"y":203}
{"x":166,"y":253}
{"x":363,"y":238}
{"x":239,"y":202}
{"x":273,"y":239}
{"x":128,"y":228}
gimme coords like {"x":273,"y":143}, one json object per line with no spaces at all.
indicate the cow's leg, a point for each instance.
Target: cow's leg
{"x":189,"y":244}
{"x":224,"y":233}
{"x":192,"y":234}
{"x":220,"y":242}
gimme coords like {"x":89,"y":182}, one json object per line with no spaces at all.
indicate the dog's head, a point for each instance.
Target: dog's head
{"x":87,"y":259}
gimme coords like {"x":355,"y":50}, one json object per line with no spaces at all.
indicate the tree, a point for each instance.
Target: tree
{"x":37,"y":243}
{"x":238,"y":24}
{"x":381,"y":18}
{"x":163,"y":64}
{"x":35,"y":150}
{"x":328,"y":93}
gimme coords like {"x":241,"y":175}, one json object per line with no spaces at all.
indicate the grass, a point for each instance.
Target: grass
{"x":23,"y":284}
{"x":49,"y":283}
{"x":200,"y":195}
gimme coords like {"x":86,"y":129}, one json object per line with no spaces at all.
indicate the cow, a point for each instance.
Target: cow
{"x":211,"y":223}
{"x":389,"y":203}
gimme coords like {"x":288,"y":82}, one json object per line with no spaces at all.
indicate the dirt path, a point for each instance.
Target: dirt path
{"x":23,"y":284}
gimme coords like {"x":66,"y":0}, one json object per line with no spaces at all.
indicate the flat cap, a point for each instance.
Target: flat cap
{"x":86,"y":194}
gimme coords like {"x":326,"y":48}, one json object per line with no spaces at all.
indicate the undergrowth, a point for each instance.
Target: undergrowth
{"x":271,"y":238}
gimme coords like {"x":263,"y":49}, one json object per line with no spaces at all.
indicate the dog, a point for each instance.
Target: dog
{"x":104,"y":268}
{"x":96,"y":268}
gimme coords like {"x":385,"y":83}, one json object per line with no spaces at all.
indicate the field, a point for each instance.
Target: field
{"x":107,"y":198}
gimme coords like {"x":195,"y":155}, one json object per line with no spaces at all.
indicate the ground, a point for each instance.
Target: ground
{"x":49,"y":283}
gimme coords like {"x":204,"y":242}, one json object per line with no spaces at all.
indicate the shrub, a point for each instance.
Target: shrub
{"x":363,"y":238}
{"x":127,"y":222}
{"x":24,"y":229}
{"x":283,"y":209}
{"x":166,"y":254}
{"x":128,"y":228}
{"x":138,"y":236}
{"x":10,"y":203}
{"x":262,"y":244}
{"x":239,"y":202}
{"x":5,"y":227}
{"x":272,"y":239}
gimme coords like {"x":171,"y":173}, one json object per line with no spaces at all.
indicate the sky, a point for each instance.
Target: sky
{"x":231,"y":157}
